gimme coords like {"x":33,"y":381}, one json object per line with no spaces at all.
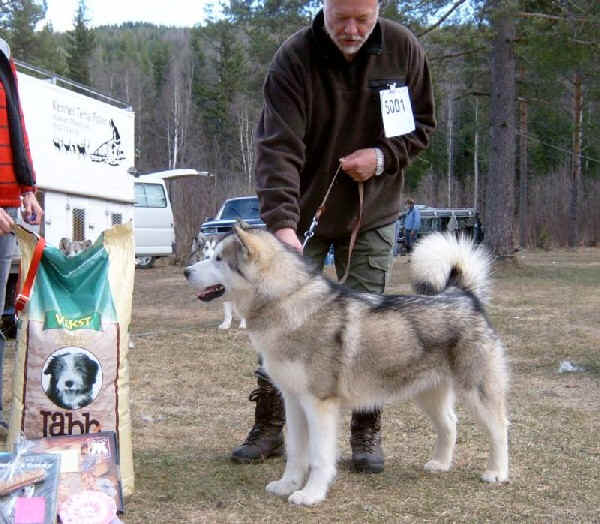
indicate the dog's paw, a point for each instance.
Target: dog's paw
{"x":224,"y":325}
{"x":243,"y":323}
{"x":435,"y":465}
{"x":282,"y":487}
{"x":494,"y":476}
{"x":304,"y":498}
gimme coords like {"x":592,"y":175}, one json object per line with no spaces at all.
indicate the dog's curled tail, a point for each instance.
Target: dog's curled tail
{"x":440,"y":260}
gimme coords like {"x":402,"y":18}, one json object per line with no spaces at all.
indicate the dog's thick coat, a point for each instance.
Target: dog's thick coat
{"x":327,"y":347}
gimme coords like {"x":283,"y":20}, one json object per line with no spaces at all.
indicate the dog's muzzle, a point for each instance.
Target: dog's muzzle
{"x":208,"y":293}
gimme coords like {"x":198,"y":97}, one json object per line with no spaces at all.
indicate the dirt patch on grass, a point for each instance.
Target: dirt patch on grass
{"x":190,"y":383}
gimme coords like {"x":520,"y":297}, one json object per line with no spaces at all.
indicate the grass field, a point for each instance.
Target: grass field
{"x":189,"y":405}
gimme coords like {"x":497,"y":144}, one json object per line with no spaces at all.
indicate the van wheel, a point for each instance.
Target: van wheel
{"x":144,"y":262}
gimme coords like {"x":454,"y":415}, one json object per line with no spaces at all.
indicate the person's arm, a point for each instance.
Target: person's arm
{"x":32,"y":211}
{"x":6,"y":222}
{"x":288,"y":236}
{"x":280,"y":150}
{"x":361,"y":164}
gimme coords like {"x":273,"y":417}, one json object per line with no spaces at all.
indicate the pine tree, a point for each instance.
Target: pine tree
{"x":18,"y":20}
{"x":80,"y":46}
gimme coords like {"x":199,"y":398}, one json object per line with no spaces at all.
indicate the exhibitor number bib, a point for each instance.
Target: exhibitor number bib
{"x":396,"y":111}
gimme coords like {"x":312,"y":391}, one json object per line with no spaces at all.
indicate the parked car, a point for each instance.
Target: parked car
{"x":437,"y":219}
{"x":233,"y":209}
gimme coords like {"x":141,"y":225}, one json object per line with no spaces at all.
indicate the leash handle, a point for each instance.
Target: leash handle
{"x":355,"y":229}
{"x":23,"y":297}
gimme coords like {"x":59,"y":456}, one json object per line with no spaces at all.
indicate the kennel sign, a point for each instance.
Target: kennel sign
{"x":89,"y":144}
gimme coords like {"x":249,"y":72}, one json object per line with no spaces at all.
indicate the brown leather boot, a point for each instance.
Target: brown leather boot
{"x":265,"y":439}
{"x":365,"y":440}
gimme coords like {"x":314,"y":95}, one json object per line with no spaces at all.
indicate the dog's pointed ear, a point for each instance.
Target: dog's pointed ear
{"x":246,"y":239}
{"x":87,"y":243}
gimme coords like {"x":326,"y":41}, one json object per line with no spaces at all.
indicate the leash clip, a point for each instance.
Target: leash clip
{"x":315,"y":221}
{"x":310,"y":232}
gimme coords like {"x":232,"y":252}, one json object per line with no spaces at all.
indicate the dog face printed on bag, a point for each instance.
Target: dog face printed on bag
{"x":73,"y":247}
{"x":72,"y":378}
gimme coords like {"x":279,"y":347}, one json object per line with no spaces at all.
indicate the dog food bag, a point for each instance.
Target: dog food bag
{"x":71,"y":374}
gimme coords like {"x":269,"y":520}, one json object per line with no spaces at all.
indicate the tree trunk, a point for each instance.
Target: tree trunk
{"x":449,"y":126}
{"x":499,"y":210}
{"x":523,"y":175}
{"x":576,"y":159}
{"x":476,"y":157}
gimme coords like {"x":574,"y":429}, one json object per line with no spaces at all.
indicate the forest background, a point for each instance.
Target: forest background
{"x":517,"y":85}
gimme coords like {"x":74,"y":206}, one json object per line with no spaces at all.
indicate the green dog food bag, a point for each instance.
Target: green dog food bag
{"x":71,"y":372}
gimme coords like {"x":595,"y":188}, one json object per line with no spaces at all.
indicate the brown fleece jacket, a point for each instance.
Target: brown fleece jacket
{"x":318,"y":107}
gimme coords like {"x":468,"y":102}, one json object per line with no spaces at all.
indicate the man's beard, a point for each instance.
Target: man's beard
{"x":353,"y":48}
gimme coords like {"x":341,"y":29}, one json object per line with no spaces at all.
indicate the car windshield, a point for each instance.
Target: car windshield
{"x":244,"y":208}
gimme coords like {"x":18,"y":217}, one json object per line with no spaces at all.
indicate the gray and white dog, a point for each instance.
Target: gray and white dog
{"x":73,"y":247}
{"x":203,"y":248}
{"x":327,"y":347}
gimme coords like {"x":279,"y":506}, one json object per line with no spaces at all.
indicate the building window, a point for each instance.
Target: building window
{"x":78,"y":224}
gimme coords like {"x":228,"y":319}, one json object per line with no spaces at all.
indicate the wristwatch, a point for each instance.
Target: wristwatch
{"x":379,"y":165}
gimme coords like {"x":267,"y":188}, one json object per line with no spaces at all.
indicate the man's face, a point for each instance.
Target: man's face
{"x":349,"y":23}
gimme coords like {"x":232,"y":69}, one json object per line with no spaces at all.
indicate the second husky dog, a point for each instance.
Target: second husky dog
{"x":203,"y":248}
{"x":327,"y":347}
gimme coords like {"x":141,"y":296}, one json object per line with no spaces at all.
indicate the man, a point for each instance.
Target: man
{"x":17,"y":179}
{"x":412,"y":224}
{"x":322,"y":109}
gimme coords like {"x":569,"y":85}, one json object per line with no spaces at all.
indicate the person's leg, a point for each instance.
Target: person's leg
{"x":370,"y":270}
{"x":316,"y":252}
{"x":7,"y":248}
{"x":409,"y":242}
{"x":265,"y":438}
{"x":371,"y":262}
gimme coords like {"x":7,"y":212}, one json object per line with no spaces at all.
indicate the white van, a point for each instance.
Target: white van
{"x":153,"y":216}
{"x":152,"y":220}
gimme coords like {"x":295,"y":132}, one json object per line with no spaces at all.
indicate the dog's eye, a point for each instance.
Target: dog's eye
{"x":218,"y":258}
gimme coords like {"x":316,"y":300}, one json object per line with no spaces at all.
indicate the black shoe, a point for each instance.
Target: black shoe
{"x":265,"y":439}
{"x":365,"y":440}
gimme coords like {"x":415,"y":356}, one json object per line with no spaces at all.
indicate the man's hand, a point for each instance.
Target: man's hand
{"x":6,"y":222}
{"x":360,"y":165}
{"x":32,"y":211}
{"x":288,"y":236}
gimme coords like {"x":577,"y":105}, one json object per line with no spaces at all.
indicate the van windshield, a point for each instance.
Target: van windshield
{"x":245,"y":208}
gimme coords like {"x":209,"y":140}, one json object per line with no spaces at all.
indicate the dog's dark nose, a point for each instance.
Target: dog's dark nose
{"x":69,"y":383}
{"x":187,"y":272}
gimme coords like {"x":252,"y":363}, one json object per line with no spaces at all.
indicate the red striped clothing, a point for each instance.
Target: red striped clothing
{"x":10,"y":189}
